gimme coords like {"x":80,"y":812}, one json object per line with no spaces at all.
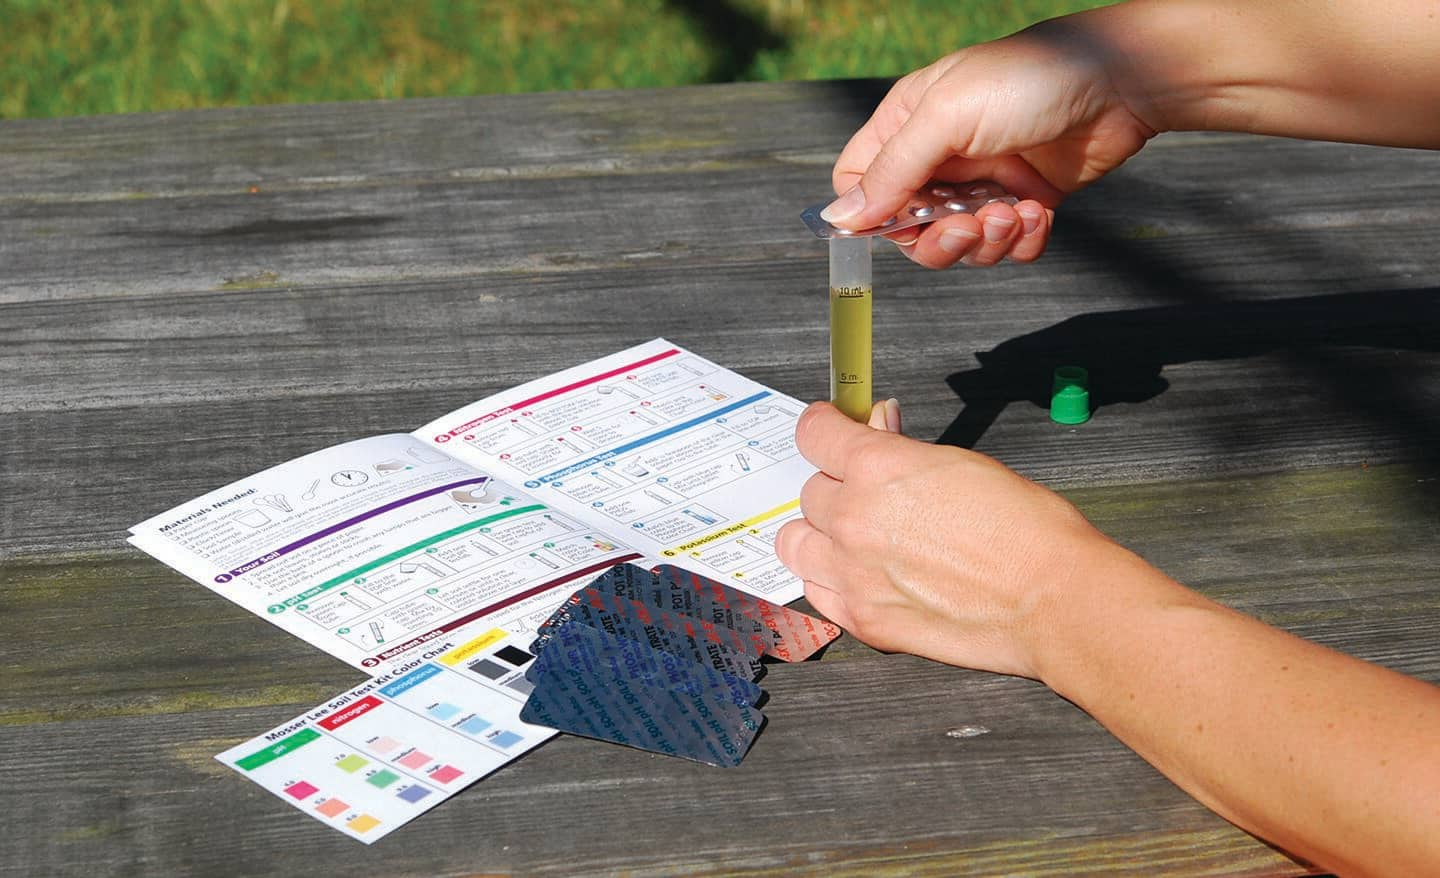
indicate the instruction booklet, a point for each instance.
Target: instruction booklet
{"x":498,"y":511}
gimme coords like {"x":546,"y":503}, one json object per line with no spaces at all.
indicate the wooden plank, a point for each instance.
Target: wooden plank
{"x":278,"y":340}
{"x":388,"y":192}
{"x":854,"y":771}
{"x":1163,"y":242}
{"x":1341,"y":555}
{"x":148,"y":403}
{"x":849,"y":777}
{"x":585,"y":133}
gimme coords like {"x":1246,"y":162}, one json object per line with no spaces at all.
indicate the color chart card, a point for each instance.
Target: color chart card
{"x":385,"y":752}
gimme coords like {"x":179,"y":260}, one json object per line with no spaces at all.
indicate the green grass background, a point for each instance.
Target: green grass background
{"x":78,"y":57}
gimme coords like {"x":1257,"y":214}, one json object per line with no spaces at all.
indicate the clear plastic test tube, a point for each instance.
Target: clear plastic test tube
{"x":850,"y":326}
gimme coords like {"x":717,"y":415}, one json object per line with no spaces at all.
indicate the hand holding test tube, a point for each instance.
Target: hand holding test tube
{"x":851,"y":292}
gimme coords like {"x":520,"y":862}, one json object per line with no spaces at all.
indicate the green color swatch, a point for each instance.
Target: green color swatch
{"x":382,"y":778}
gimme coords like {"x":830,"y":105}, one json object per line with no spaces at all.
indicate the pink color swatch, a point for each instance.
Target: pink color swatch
{"x":445,"y":774}
{"x":414,"y":759}
{"x":384,"y":745}
{"x":302,"y":789}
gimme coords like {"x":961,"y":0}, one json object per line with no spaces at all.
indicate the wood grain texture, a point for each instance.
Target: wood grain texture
{"x":257,"y":377}
{"x":855,"y":772}
{"x":1342,"y":556}
{"x":1261,"y":317}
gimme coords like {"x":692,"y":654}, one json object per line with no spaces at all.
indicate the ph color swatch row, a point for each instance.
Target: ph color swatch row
{"x":385,"y":752}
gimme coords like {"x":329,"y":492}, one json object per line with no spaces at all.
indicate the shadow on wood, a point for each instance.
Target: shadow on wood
{"x":1126,"y":351}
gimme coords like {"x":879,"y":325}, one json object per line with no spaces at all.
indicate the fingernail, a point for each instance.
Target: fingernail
{"x":901,"y":239}
{"x":845,"y":206}
{"x":997,"y":228}
{"x":1030,"y":217}
{"x":892,"y":415}
{"x":954,"y":241}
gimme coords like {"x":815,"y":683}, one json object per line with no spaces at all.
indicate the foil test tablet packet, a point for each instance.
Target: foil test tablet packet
{"x":688,"y":638}
{"x":664,"y":660}
{"x":779,"y":632}
{"x":682,"y":597}
{"x":584,"y":698}
{"x":936,"y":201}
{"x":578,"y":643}
{"x":794,"y":636}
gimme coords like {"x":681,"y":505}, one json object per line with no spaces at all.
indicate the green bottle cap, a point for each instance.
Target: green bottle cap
{"x":1069,"y":396}
{"x":1070,"y":376}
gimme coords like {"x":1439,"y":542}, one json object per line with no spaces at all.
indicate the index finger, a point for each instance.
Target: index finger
{"x":829,"y":439}
{"x":904,"y":162}
{"x":887,"y":118}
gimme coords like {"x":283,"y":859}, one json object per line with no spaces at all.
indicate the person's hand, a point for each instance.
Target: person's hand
{"x":1043,"y":113}
{"x":933,"y":550}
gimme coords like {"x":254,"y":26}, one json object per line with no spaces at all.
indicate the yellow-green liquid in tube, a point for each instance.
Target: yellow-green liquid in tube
{"x":850,"y":334}
{"x":850,"y":327}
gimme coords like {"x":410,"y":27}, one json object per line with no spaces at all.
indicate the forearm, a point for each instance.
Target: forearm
{"x":1344,"y":71}
{"x":1332,"y":758}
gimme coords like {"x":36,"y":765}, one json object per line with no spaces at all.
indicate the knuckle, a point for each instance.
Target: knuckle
{"x":807,"y":493}
{"x":865,"y":621}
{"x":845,"y":529}
{"x":946,"y":93}
{"x":854,"y":532}
{"x":890,"y":164}
{"x":784,"y":538}
{"x":871,"y":458}
{"x":790,"y":543}
{"x":904,"y":86}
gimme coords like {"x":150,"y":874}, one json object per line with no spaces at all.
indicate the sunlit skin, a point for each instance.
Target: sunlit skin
{"x":1057,"y":106}
{"x":1331,"y":758}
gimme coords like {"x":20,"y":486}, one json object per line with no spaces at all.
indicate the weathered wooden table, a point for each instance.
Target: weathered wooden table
{"x":188,"y":298}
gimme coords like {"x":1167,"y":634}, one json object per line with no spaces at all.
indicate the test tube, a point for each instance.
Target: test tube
{"x":850,"y":326}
